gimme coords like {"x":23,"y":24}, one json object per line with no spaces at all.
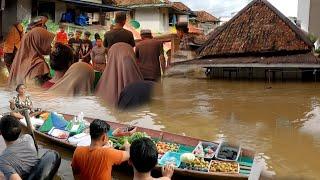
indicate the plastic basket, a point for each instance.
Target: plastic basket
{"x":170,"y":157}
{"x":205,"y":145}
{"x":226,"y":145}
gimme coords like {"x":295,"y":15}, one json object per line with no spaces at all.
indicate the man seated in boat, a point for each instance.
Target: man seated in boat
{"x":144,"y":157}
{"x":95,"y":162}
{"x":20,"y":155}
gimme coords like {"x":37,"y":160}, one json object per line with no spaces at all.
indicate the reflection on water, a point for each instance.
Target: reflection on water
{"x":281,"y":123}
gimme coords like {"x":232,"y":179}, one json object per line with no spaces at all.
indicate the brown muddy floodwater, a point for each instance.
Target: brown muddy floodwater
{"x":282,"y":123}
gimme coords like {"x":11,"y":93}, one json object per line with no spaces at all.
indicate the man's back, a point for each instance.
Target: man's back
{"x":95,"y":164}
{"x":118,"y":35}
{"x":148,"y":52}
{"x":19,"y":157}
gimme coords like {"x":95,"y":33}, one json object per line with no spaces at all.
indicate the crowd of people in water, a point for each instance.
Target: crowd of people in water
{"x":129,"y":71}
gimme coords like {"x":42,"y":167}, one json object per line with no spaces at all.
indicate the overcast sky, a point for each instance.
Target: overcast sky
{"x":227,"y":7}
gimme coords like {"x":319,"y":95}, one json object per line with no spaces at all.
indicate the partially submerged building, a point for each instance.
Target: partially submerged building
{"x":206,"y":21}
{"x":157,"y":15}
{"x":258,"y":42}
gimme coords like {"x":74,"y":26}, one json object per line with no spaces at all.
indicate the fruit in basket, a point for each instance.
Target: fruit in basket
{"x":225,"y":167}
{"x":198,"y":151}
{"x":164,"y":147}
{"x":200,"y":164}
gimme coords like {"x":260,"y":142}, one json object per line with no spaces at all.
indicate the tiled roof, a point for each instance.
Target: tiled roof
{"x":257,"y":29}
{"x":181,"y":7}
{"x":203,"y":16}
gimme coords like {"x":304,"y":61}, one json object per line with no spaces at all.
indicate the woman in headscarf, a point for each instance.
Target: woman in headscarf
{"x":78,"y":80}
{"x":29,"y":65}
{"x":121,"y":72}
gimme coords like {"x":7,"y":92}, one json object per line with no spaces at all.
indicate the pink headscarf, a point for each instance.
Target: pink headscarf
{"x":29,"y":62}
{"x":121,"y":71}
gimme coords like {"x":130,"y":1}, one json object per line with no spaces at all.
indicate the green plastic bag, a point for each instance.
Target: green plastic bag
{"x":47,"y":125}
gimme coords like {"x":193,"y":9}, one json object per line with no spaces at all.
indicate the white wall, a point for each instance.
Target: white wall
{"x":24,"y":10}
{"x":149,"y":18}
{"x":152,"y":18}
{"x":60,"y":9}
{"x":304,"y":14}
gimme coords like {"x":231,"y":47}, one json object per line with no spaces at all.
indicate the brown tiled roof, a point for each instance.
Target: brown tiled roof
{"x":257,"y":29}
{"x":203,"y":16}
{"x":181,"y":7}
{"x":140,"y":2}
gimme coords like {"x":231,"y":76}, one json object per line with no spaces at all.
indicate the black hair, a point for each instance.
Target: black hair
{"x":98,"y":128}
{"x":10,"y":128}
{"x":87,"y":33}
{"x":18,"y":87}
{"x":121,"y":17}
{"x":98,"y":39}
{"x":61,"y":58}
{"x":97,"y":36}
{"x":143,"y":155}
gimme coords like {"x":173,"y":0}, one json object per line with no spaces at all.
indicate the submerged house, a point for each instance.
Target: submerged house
{"x":258,"y":42}
{"x":157,"y":15}
{"x":206,"y":21}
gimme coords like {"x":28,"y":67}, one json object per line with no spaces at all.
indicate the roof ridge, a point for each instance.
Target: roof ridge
{"x":297,"y":31}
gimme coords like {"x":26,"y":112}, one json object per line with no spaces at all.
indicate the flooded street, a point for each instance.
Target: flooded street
{"x":282,"y":123}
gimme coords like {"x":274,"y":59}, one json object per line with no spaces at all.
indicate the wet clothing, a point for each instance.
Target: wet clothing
{"x":98,"y":56}
{"x":135,"y":94}
{"x":62,"y":37}
{"x":118,"y":35}
{"x":95,"y":164}
{"x":19,"y":157}
{"x":13,"y":39}
{"x":12,"y":44}
{"x":121,"y":71}
{"x":20,"y":104}
{"x":47,"y":85}
{"x":78,"y":80}
{"x":148,"y":52}
{"x":29,"y":65}
{"x":86,"y":47}
{"x":75,"y":44}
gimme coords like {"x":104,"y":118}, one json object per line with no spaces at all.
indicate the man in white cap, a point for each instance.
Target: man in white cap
{"x":150,"y":57}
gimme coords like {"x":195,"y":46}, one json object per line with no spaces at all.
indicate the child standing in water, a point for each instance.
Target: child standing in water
{"x":20,"y":101}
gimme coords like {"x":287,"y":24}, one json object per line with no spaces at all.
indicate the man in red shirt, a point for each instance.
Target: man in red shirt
{"x":95,"y":162}
{"x":62,"y":36}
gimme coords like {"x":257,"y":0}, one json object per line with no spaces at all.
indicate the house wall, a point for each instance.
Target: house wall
{"x":60,"y":8}
{"x":24,"y":10}
{"x":9,"y":16}
{"x":207,"y":27}
{"x":155,"y":19}
{"x":259,"y":74}
{"x":303,"y":14}
{"x":314,"y":25}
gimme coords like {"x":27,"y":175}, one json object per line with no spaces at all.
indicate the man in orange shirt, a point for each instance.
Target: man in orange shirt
{"x":95,"y":162}
{"x":62,"y":36}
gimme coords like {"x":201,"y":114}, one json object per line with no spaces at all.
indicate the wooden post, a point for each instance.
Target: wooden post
{"x":29,"y":126}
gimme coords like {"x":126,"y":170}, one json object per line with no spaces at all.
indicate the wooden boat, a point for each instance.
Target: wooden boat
{"x":167,"y":137}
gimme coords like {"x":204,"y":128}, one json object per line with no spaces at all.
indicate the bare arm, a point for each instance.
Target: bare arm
{"x":162,"y":59}
{"x":126,"y":153}
{"x":15,"y":177}
{"x":12,"y":106}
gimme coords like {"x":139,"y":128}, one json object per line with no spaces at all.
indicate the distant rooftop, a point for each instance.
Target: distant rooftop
{"x":203,"y":16}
